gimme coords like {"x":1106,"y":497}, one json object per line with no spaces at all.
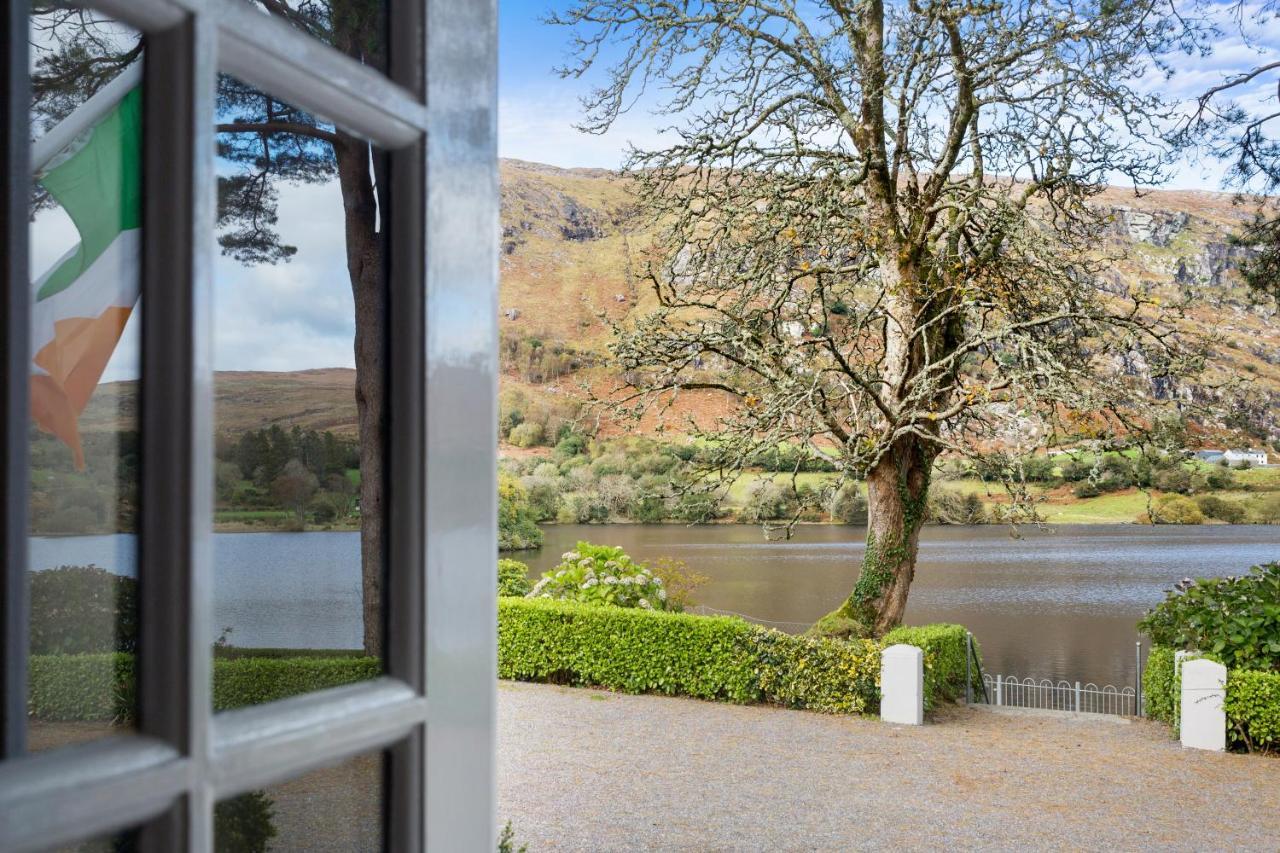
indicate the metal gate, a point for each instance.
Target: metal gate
{"x":1054,"y":695}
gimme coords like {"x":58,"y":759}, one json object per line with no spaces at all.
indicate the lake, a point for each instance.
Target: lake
{"x":1055,"y":604}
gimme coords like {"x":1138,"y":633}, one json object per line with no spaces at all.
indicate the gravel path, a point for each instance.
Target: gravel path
{"x":590,"y":770}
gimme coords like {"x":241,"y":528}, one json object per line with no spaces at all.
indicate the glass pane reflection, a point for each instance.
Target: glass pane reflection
{"x":85,"y":239}
{"x":338,"y":808}
{"x":299,"y":318}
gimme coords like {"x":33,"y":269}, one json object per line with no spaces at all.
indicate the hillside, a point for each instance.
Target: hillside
{"x":571,"y":239}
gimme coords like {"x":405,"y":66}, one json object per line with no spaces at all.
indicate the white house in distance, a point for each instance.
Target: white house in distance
{"x":1234,"y":456}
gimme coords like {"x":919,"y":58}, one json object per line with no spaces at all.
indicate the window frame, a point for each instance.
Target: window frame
{"x":434,"y":709}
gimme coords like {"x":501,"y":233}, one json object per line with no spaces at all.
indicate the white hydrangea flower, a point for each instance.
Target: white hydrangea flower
{"x":590,"y":583}
{"x":610,"y":580}
{"x":568,"y":555}
{"x":662,"y":594}
{"x":644,"y":602}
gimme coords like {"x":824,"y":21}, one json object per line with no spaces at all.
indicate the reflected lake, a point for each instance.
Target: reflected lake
{"x":1059,"y":603}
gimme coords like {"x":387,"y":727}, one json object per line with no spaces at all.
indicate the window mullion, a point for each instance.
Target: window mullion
{"x":175,"y":558}
{"x":14,"y":400}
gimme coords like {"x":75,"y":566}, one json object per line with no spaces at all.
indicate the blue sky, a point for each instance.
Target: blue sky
{"x":537,"y":109}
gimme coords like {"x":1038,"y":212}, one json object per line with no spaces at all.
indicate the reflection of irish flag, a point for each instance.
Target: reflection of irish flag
{"x":91,"y":164}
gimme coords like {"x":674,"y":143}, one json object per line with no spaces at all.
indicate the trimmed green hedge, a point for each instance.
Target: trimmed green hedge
{"x":81,"y":687}
{"x":816,"y":673}
{"x":1253,"y":709}
{"x":944,"y":659}
{"x":101,"y":687}
{"x":1252,"y":703}
{"x":1158,"y":688}
{"x":625,"y":649}
{"x":710,"y":657}
{"x":255,"y":681}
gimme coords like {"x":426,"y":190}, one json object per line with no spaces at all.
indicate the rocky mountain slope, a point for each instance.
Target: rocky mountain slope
{"x":572,"y":240}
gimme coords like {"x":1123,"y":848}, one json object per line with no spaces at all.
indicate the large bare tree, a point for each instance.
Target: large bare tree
{"x":875,"y":233}
{"x":1247,"y":135}
{"x":263,"y":142}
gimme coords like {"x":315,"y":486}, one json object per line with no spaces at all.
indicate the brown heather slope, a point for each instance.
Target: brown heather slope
{"x":572,"y":240}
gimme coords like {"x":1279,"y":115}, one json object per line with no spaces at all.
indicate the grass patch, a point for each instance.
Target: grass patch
{"x":1113,"y":508}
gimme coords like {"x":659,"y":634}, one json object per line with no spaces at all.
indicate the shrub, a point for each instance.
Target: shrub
{"x":1234,"y":618}
{"x":767,"y":500}
{"x":602,"y":574}
{"x":1086,"y":489}
{"x":944,"y":658}
{"x":573,"y":444}
{"x":848,"y":506}
{"x":709,"y":657}
{"x":1252,"y":703}
{"x":948,"y":507}
{"x":816,"y":673}
{"x":1252,"y":706}
{"x":513,"y":577}
{"x":103,"y":686}
{"x":83,"y":609}
{"x":254,"y":681}
{"x":1215,"y":507}
{"x":1220,"y":479}
{"x":1175,"y":509}
{"x":630,"y":650}
{"x":517,"y":528}
{"x":543,"y":495}
{"x":678,"y":580}
{"x":1158,"y":689}
{"x":244,"y":824}
{"x":1173,"y":480}
{"x":99,"y":687}
{"x":527,"y":434}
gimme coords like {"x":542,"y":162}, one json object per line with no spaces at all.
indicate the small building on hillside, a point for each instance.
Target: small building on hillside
{"x":1254,"y":456}
{"x":1234,"y":456}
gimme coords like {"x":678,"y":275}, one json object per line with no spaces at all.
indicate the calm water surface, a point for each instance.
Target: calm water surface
{"x":1057,"y":604}
{"x":1053,"y":604}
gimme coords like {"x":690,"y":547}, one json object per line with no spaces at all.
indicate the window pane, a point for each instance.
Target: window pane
{"x":336,"y":808}
{"x":85,"y":235}
{"x":357,"y":28}
{"x":299,"y":352}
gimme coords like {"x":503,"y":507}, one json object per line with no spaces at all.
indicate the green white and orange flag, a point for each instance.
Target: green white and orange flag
{"x":81,"y":305}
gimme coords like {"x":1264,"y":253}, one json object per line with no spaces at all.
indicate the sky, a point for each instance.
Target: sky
{"x":298,"y":315}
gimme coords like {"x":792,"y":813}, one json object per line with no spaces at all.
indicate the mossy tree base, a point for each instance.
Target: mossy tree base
{"x":897,"y":498}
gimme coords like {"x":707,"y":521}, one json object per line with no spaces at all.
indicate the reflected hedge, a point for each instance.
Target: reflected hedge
{"x":102,"y":687}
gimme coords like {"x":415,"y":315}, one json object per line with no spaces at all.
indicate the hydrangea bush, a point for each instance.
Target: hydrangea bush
{"x":602,"y":574}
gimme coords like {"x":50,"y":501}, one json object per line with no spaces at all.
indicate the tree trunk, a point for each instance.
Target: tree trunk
{"x":366,"y":266}
{"x":897,"y":498}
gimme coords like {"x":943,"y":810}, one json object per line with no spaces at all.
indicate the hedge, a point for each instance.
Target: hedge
{"x":944,"y":659}
{"x":1253,"y":709}
{"x":102,"y":686}
{"x":1158,"y":688}
{"x":710,"y":657}
{"x":1252,"y":703}
{"x":626,"y":649}
{"x":81,"y":687}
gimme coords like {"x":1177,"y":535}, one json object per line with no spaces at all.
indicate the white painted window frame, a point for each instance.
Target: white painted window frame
{"x":433,"y":710}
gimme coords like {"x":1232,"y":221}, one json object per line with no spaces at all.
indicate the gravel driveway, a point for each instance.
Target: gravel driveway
{"x":590,"y":770}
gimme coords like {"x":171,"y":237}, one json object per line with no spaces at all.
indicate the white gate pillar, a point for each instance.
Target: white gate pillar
{"x":1204,"y":723}
{"x":902,"y":685}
